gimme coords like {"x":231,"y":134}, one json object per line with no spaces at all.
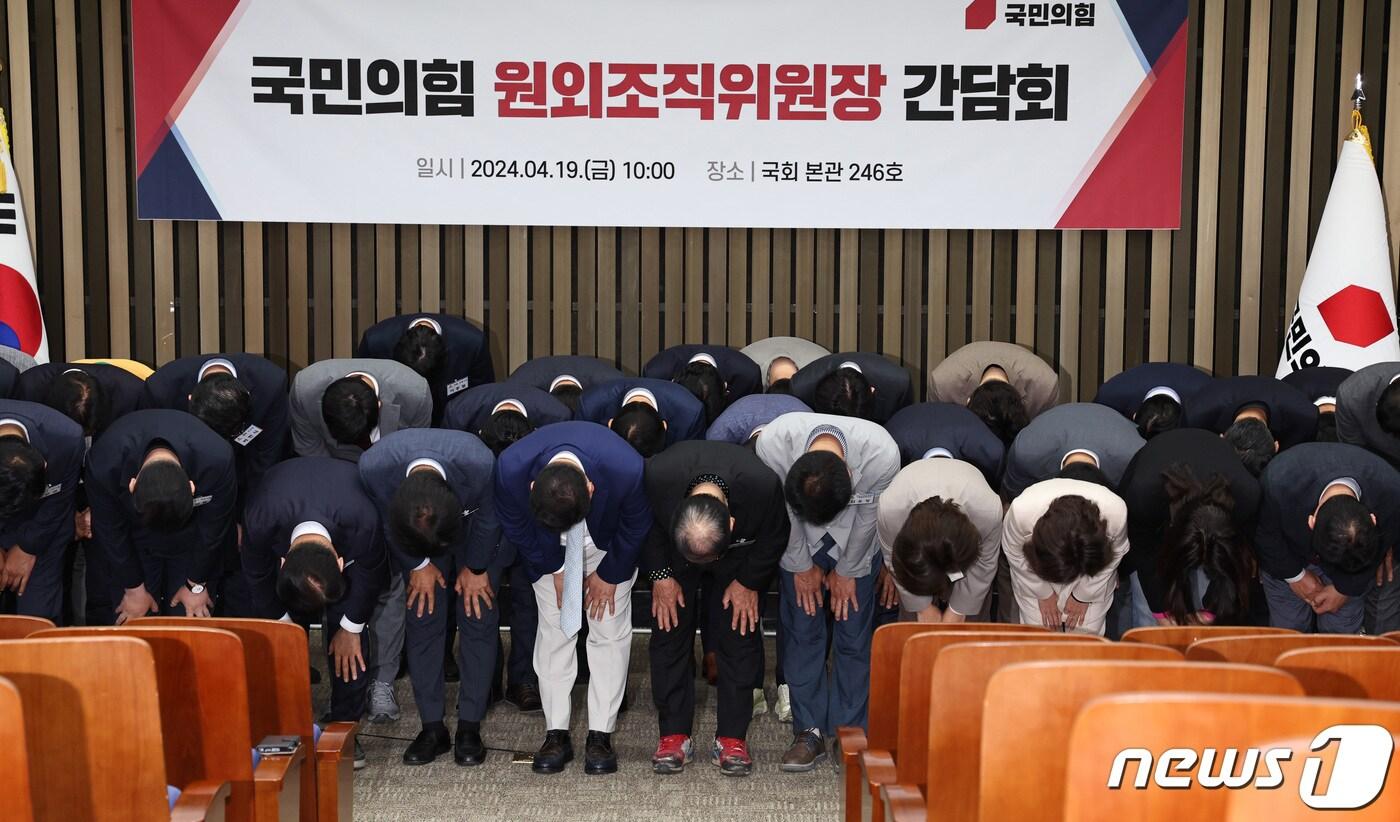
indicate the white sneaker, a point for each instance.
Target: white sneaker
{"x":760,"y":702}
{"x":383,"y":707}
{"x":784,"y":708}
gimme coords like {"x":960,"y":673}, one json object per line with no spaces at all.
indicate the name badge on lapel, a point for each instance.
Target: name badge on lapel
{"x":198,"y":501}
{"x":248,"y":435}
{"x":51,"y":490}
{"x":740,"y":543}
{"x":458,"y":385}
{"x":466,"y":512}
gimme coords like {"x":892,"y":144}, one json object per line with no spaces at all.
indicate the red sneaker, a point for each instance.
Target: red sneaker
{"x":672,"y":754}
{"x":732,"y":756}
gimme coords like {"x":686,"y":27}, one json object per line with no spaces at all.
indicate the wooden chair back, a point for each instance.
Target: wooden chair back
{"x":20,"y":627}
{"x":91,"y":727}
{"x":954,"y":729}
{"x":1263,"y":650}
{"x":1345,"y":673}
{"x":1284,"y":805}
{"x":1180,"y":637}
{"x":15,"y":803}
{"x":916,"y":693}
{"x":1120,"y":732}
{"x":1030,"y":707}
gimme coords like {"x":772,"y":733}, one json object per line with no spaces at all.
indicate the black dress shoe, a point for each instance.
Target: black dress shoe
{"x":525,"y":696}
{"x":598,"y":755}
{"x":556,"y":752}
{"x":429,"y":745}
{"x":468,"y":748}
{"x":450,"y":671}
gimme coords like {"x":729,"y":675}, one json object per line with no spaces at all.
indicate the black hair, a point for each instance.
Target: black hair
{"x":783,"y":386}
{"x":1085,"y":472}
{"x":1069,"y":541}
{"x":223,"y":403}
{"x":1388,"y":409}
{"x":640,"y":425}
{"x":704,"y":381}
{"x":1326,"y":427}
{"x":845,"y":392}
{"x":350,"y":409}
{"x":23,"y":478}
{"x":999,"y":405}
{"x":700,"y":528}
{"x":504,"y":428}
{"x":559,"y":497}
{"x":818,"y":487}
{"x":310,"y":579}
{"x":568,"y":393}
{"x":1201,"y":533}
{"x":162,"y":497}
{"x":79,"y":397}
{"x":424,"y":515}
{"x":1157,"y":414}
{"x":1344,"y":535}
{"x":422,"y":349}
{"x":936,"y":539}
{"x":1253,"y":442}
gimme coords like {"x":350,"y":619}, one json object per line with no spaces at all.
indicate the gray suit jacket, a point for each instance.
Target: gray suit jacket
{"x":1040,"y":448}
{"x":20,"y":360}
{"x":954,"y":379}
{"x":800,"y":351}
{"x":873,"y":460}
{"x":1356,"y":410}
{"x":404,"y":397}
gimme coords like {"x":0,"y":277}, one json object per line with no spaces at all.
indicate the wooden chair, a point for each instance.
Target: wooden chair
{"x":20,"y":627}
{"x":279,"y":702}
{"x":953,"y":729}
{"x":1180,"y":637}
{"x":1155,"y":722}
{"x":1285,"y":806}
{"x":1030,"y":708}
{"x":1345,"y":673}
{"x":15,"y":804}
{"x":1393,"y":636}
{"x":1263,"y":650}
{"x":886,"y":650}
{"x":906,"y":764}
{"x":93,"y":733}
{"x":204,"y":713}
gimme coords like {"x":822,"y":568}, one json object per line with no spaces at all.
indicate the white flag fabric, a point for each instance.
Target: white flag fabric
{"x":21,"y":321}
{"x":1345,"y":315}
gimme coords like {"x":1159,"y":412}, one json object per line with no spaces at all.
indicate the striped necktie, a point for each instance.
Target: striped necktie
{"x":571,"y":611}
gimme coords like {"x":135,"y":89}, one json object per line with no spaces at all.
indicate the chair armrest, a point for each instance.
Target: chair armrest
{"x":273,"y":770}
{"x":905,"y":802}
{"x":336,"y":738}
{"x":852,"y":741}
{"x":277,"y":785}
{"x":201,"y":801}
{"x":335,"y":772}
{"x":877,"y":768}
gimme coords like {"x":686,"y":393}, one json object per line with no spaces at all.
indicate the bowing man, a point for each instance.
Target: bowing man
{"x":1321,"y":384}
{"x":340,"y":408}
{"x":1257,"y":415}
{"x":1368,"y":410}
{"x":565,"y":376}
{"x":91,"y":394}
{"x":741,"y":422}
{"x":943,"y":426}
{"x":163,"y":490}
{"x":1066,"y":434}
{"x":503,"y":412}
{"x":716,"y":374}
{"x":1003,"y":384}
{"x":433,"y":489}
{"x":41,"y":459}
{"x":571,"y":498}
{"x":649,"y":414}
{"x":853,"y":384}
{"x":779,"y":358}
{"x":1152,"y":394}
{"x":449,"y":352}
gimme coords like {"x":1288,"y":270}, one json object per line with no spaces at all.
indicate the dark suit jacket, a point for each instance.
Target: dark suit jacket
{"x":740,"y":373}
{"x":761,"y":523}
{"x":684,"y":415}
{"x":1125,"y":391}
{"x":208,"y":460}
{"x":927,"y":425}
{"x":1142,"y":488}
{"x":1357,"y":397}
{"x":49,"y":527}
{"x":1038,"y":450}
{"x":1319,"y":381}
{"x":264,"y":442}
{"x":469,"y":466}
{"x":736,"y":423}
{"x":468,"y":361}
{"x":9,"y":375}
{"x":1292,"y":484}
{"x":1292,"y":416}
{"x":541,"y":371}
{"x":890,"y":379}
{"x":315,"y":489}
{"x":618,"y":517}
{"x":122,"y":391}
{"x":469,"y":410}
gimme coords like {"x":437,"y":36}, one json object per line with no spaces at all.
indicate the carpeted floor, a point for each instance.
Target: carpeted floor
{"x":502,"y":790}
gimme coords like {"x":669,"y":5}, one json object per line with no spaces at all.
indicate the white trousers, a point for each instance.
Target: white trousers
{"x":609,"y":652}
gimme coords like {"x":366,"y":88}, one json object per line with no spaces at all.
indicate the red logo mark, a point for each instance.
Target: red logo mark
{"x":1356,"y":316}
{"x":980,"y":14}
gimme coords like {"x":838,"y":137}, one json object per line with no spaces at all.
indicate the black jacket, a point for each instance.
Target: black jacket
{"x":927,"y":425}
{"x":890,"y":379}
{"x":741,"y":374}
{"x":1292,"y":415}
{"x":469,"y":410}
{"x":49,"y":527}
{"x":122,"y":391}
{"x":589,"y":371}
{"x":468,"y":360}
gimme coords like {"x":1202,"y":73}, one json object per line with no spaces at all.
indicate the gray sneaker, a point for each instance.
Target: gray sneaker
{"x":383,"y":707}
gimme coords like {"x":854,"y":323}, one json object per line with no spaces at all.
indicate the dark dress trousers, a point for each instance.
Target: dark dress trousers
{"x":741,"y":374}
{"x":1292,"y":415}
{"x":683,"y":414}
{"x":891,"y":381}
{"x":925,"y":426}
{"x":757,"y":542}
{"x":1125,"y":391}
{"x":122,"y":391}
{"x":468,"y":360}
{"x":469,"y":410}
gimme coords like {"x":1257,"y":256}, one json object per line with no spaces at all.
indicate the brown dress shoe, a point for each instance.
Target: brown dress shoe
{"x":807,"y":751}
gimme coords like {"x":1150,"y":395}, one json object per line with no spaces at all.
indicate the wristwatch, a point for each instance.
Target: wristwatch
{"x":195,"y":587}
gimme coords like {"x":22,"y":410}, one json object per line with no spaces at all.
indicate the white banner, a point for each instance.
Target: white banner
{"x":822,"y":113}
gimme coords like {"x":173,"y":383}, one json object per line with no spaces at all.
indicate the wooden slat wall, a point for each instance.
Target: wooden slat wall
{"x":1267,"y":94}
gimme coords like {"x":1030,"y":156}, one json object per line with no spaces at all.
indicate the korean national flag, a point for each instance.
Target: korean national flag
{"x":21,"y":321}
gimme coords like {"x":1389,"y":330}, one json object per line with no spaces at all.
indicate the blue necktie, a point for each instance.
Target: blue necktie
{"x":571,"y":611}
{"x":823,"y":557}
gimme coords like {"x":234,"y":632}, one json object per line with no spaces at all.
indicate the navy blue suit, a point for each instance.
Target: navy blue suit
{"x":122,"y":391}
{"x":45,"y":532}
{"x":1125,"y":391}
{"x":469,"y":410}
{"x":1319,"y":381}
{"x":927,"y":425}
{"x":1292,"y":416}
{"x":618,"y":517}
{"x":541,"y":371}
{"x":740,"y":373}
{"x":736,"y":423}
{"x":684,"y":416}
{"x":327,"y":491}
{"x":890,"y":380}
{"x":468,"y":360}
{"x":469,"y":466}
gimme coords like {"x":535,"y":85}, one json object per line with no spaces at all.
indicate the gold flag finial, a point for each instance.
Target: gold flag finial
{"x":1359,"y":134}
{"x":4,"y":149}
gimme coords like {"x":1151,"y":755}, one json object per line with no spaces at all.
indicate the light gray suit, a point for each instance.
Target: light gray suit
{"x":954,"y":379}
{"x":1356,"y":410}
{"x":800,"y":351}
{"x":20,"y":360}
{"x":404,"y":397}
{"x":1039,"y":450}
